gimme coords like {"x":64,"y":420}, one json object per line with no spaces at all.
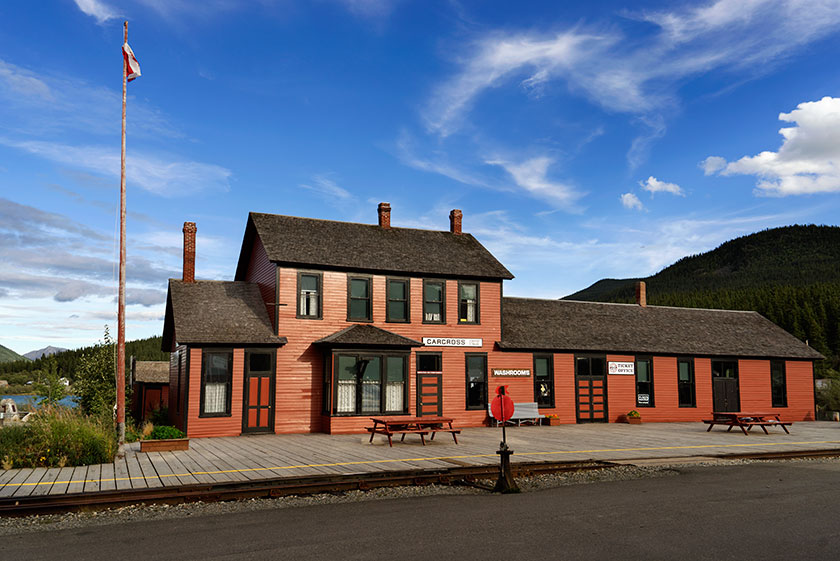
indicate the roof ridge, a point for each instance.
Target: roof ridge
{"x":560,"y":300}
{"x":357,"y":223}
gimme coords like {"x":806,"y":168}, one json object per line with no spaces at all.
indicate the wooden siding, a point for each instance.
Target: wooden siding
{"x":215,"y":426}
{"x":262,"y":271}
{"x":300,"y":368}
{"x":754,"y":385}
{"x":754,"y":382}
{"x":621,"y":391}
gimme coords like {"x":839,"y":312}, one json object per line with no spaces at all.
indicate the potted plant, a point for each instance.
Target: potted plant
{"x":551,"y":420}
{"x":163,"y":438}
{"x":633,"y":417}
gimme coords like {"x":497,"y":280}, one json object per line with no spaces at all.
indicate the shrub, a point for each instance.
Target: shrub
{"x":58,"y":437}
{"x":162,"y":432}
{"x":159,"y":416}
{"x":829,"y":397}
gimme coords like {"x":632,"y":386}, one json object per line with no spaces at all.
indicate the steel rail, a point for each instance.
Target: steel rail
{"x":309,"y":485}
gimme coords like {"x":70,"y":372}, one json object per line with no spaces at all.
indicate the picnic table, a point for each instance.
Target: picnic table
{"x":746,"y":421}
{"x":389,"y":426}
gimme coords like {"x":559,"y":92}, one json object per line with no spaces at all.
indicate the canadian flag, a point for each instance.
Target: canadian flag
{"x":132,"y":67}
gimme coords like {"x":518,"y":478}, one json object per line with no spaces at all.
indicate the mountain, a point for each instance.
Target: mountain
{"x":50,"y":350}
{"x":8,"y":355}
{"x":791,"y":275}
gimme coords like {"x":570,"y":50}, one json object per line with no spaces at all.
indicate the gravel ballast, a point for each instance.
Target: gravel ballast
{"x":137,"y":513}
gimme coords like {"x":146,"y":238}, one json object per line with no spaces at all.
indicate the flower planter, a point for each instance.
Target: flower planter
{"x":165,"y":445}
{"x":551,"y":422}
{"x":634,"y":420}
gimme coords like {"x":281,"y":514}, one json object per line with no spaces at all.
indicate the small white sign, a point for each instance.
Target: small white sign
{"x":628,"y":368}
{"x":511,"y":372}
{"x":451,"y":342}
{"x":642,"y":398}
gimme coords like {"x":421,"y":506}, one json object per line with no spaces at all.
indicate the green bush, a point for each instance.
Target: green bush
{"x":162,"y":432}
{"x":159,"y":416}
{"x":58,"y":437}
{"x":828,"y":398}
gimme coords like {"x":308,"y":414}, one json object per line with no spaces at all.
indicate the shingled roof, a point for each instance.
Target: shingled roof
{"x":567,"y":325}
{"x":328,"y":244}
{"x":367,"y":336}
{"x":216,"y":312}
{"x":151,"y":371}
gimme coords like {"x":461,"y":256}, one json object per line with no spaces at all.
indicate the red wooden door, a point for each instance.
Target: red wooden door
{"x":429,"y":395}
{"x":259,"y":391}
{"x":591,"y":389}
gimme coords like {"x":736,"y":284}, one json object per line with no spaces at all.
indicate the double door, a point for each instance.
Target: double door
{"x":591,"y":389}
{"x":725,"y":391}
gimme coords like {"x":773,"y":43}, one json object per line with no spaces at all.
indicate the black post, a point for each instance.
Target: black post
{"x":506,"y":483}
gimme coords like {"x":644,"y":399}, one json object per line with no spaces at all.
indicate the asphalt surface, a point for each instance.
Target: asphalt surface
{"x":761,"y":511}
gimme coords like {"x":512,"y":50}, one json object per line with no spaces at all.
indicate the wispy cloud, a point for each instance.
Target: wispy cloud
{"x":532,"y":176}
{"x":167,"y":178}
{"x":641,"y":77}
{"x":46,"y":103}
{"x":436,"y":162}
{"x":808,"y":160}
{"x":327,"y":188}
{"x":631,"y":201}
{"x":49,"y":255}
{"x":97,"y":9}
{"x":653,"y":186}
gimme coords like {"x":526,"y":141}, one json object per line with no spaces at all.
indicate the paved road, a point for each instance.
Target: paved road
{"x":782,"y":511}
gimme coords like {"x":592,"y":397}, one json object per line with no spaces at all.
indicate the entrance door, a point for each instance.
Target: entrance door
{"x":259,"y":391}
{"x":725,"y":391}
{"x":429,"y":395}
{"x":591,"y":389}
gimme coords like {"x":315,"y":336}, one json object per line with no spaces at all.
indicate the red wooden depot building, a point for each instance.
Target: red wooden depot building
{"x":329,"y":323}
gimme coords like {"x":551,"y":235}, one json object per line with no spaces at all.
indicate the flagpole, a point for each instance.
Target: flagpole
{"x":121,"y":305}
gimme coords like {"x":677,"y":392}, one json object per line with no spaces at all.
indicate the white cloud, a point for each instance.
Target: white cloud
{"x":808,"y":160}
{"x":712,"y":164}
{"x":97,"y":9}
{"x":495,"y":59}
{"x":631,"y":201}
{"x":653,"y":185}
{"x":167,"y":178}
{"x":640,"y":77}
{"x":532,"y":176}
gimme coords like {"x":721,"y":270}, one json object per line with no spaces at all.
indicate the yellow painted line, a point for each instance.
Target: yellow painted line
{"x":435,"y":458}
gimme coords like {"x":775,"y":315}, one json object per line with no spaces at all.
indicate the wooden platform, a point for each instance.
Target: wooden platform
{"x":271,"y":456}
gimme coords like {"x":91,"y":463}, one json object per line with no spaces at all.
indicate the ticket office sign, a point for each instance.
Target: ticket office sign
{"x":626,"y":368}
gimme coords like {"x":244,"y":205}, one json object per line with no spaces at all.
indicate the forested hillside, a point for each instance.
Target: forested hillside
{"x":8,"y":355}
{"x":22,"y":371}
{"x":790,"y":275}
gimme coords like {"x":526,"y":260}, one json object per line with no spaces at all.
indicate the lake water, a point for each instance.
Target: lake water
{"x":26,"y":402}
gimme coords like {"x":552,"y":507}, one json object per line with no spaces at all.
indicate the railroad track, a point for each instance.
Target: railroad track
{"x":278,"y":487}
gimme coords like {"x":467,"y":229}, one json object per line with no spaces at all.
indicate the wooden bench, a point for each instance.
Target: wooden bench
{"x":527,"y":412}
{"x":442,"y":429}
{"x":391,"y":432}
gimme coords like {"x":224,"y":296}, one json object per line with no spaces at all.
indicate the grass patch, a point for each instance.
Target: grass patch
{"x":58,"y":437}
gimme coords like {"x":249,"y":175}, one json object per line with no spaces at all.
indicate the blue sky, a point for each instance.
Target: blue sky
{"x":603,"y":139}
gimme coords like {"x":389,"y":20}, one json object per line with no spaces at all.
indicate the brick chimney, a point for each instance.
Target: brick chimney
{"x":385,"y":216}
{"x":641,"y":294}
{"x":455,"y":221}
{"x":189,"y":251}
